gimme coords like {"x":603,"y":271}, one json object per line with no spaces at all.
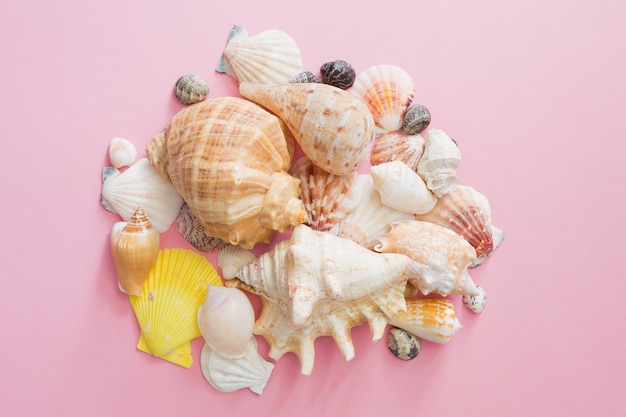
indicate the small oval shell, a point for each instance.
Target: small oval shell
{"x":190,"y":89}
{"x":338,"y":73}
{"x":398,"y":146}
{"x":401,"y":188}
{"x":430,"y":319}
{"x":134,"y":246}
{"x":122,"y":152}
{"x":416,"y":118}
{"x":305,"y":77}
{"x":226,"y":320}
{"x":402,"y":344}
{"x":387,"y":91}
{"x":476,"y":303}
{"x":141,"y":185}
{"x":227,"y":374}
{"x":327,"y":198}
{"x":270,"y":57}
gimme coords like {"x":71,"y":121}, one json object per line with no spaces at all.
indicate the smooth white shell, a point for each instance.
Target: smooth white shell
{"x":122,"y":152}
{"x":476,"y":303}
{"x":401,"y":188}
{"x":141,"y":185}
{"x":226,"y":320}
{"x":228,"y":374}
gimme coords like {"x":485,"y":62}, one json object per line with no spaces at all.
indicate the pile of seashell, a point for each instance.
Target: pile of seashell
{"x":360,"y":248}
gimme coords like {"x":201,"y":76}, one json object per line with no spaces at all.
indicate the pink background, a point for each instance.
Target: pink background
{"x":534,"y":93}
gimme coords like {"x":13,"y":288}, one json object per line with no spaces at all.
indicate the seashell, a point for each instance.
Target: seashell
{"x":387,"y":91}
{"x":167,"y":307}
{"x":227,"y":157}
{"x":227,"y":375}
{"x":497,"y":236}
{"x":311,"y":267}
{"x":338,"y":73}
{"x":445,"y":255}
{"x":270,"y":57}
{"x":122,"y":152}
{"x":190,"y":89}
{"x":402,"y":344}
{"x":466,"y":212}
{"x":226,"y":319}
{"x":370,"y":219}
{"x":134,"y":247}
{"x":416,"y":119}
{"x":431,"y":319}
{"x":327,"y":198}
{"x":141,"y":185}
{"x":476,"y":303}
{"x":192,"y":230}
{"x":333,"y":128}
{"x":305,"y":77}
{"x":401,"y":188}
{"x":232,"y":258}
{"x":398,"y":146}
{"x":437,"y":167}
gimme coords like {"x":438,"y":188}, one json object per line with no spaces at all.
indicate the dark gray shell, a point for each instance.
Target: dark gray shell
{"x":338,"y":73}
{"x":190,"y":228}
{"x":305,"y":77}
{"x":402,"y":344}
{"x":190,"y":89}
{"x":416,"y":119}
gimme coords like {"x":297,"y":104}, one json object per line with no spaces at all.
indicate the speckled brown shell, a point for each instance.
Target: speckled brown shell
{"x":416,"y":118}
{"x":338,"y":73}
{"x":402,"y":344}
{"x":305,"y":77}
{"x":192,"y":230}
{"x":190,"y":89}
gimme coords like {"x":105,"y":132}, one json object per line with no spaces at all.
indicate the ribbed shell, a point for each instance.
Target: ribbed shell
{"x":333,"y":128}
{"x":192,"y":230}
{"x":398,"y":146}
{"x":122,"y":152}
{"x":431,"y":319}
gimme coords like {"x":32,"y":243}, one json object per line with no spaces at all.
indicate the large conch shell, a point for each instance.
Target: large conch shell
{"x":134,"y":247}
{"x":228,"y":158}
{"x":315,"y":283}
{"x":445,"y":254}
{"x":167,"y":307}
{"x":432,"y":319}
{"x":333,"y":128}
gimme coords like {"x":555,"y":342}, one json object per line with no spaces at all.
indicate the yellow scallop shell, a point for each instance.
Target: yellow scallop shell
{"x":167,"y":307}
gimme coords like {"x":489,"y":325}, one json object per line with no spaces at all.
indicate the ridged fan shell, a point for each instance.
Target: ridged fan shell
{"x":270,"y":57}
{"x":398,"y":146}
{"x":232,"y":259}
{"x":167,"y":307}
{"x":122,"y":152}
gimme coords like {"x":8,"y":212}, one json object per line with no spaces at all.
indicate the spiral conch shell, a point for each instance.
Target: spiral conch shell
{"x":315,"y":283}
{"x":134,"y":246}
{"x":228,"y":157}
{"x":333,"y":128}
{"x":438,"y":163}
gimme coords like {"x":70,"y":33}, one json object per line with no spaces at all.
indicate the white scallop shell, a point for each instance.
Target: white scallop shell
{"x":122,"y":152}
{"x":226,"y":320}
{"x":370,"y":218}
{"x":387,"y":91}
{"x":232,"y":258}
{"x":401,"y":188}
{"x":270,"y":57}
{"x":141,"y":185}
{"x":227,"y":375}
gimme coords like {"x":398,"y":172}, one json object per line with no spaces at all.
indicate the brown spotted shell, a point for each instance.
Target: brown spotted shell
{"x":190,"y":89}
{"x":402,"y":344}
{"x":338,"y":73}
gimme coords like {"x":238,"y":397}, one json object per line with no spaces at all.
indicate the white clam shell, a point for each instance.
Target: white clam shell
{"x":141,"y":185}
{"x":122,"y":152}
{"x":226,"y":320}
{"x":401,"y":188}
{"x":228,"y":374}
{"x":232,"y":258}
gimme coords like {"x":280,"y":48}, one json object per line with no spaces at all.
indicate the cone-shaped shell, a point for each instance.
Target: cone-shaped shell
{"x":401,"y":188}
{"x":269,"y":57}
{"x":227,"y":158}
{"x":327,"y":198}
{"x":226,"y":319}
{"x":445,"y":254}
{"x":431,"y":319}
{"x":167,"y":307}
{"x":312,"y":267}
{"x":333,"y":128}
{"x":134,"y":247}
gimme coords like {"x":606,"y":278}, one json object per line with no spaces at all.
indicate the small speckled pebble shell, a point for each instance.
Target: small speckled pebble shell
{"x":402,"y":344}
{"x":305,"y":77}
{"x":190,"y":89}
{"x":416,"y":119}
{"x":339,"y":74}
{"x":476,"y":303}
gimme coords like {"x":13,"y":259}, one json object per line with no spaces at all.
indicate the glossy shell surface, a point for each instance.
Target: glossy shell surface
{"x":402,"y":344}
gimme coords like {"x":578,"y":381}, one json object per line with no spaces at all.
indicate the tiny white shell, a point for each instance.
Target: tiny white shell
{"x":226,"y":320}
{"x":232,"y":258}
{"x":122,"y":152}
{"x":476,"y":303}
